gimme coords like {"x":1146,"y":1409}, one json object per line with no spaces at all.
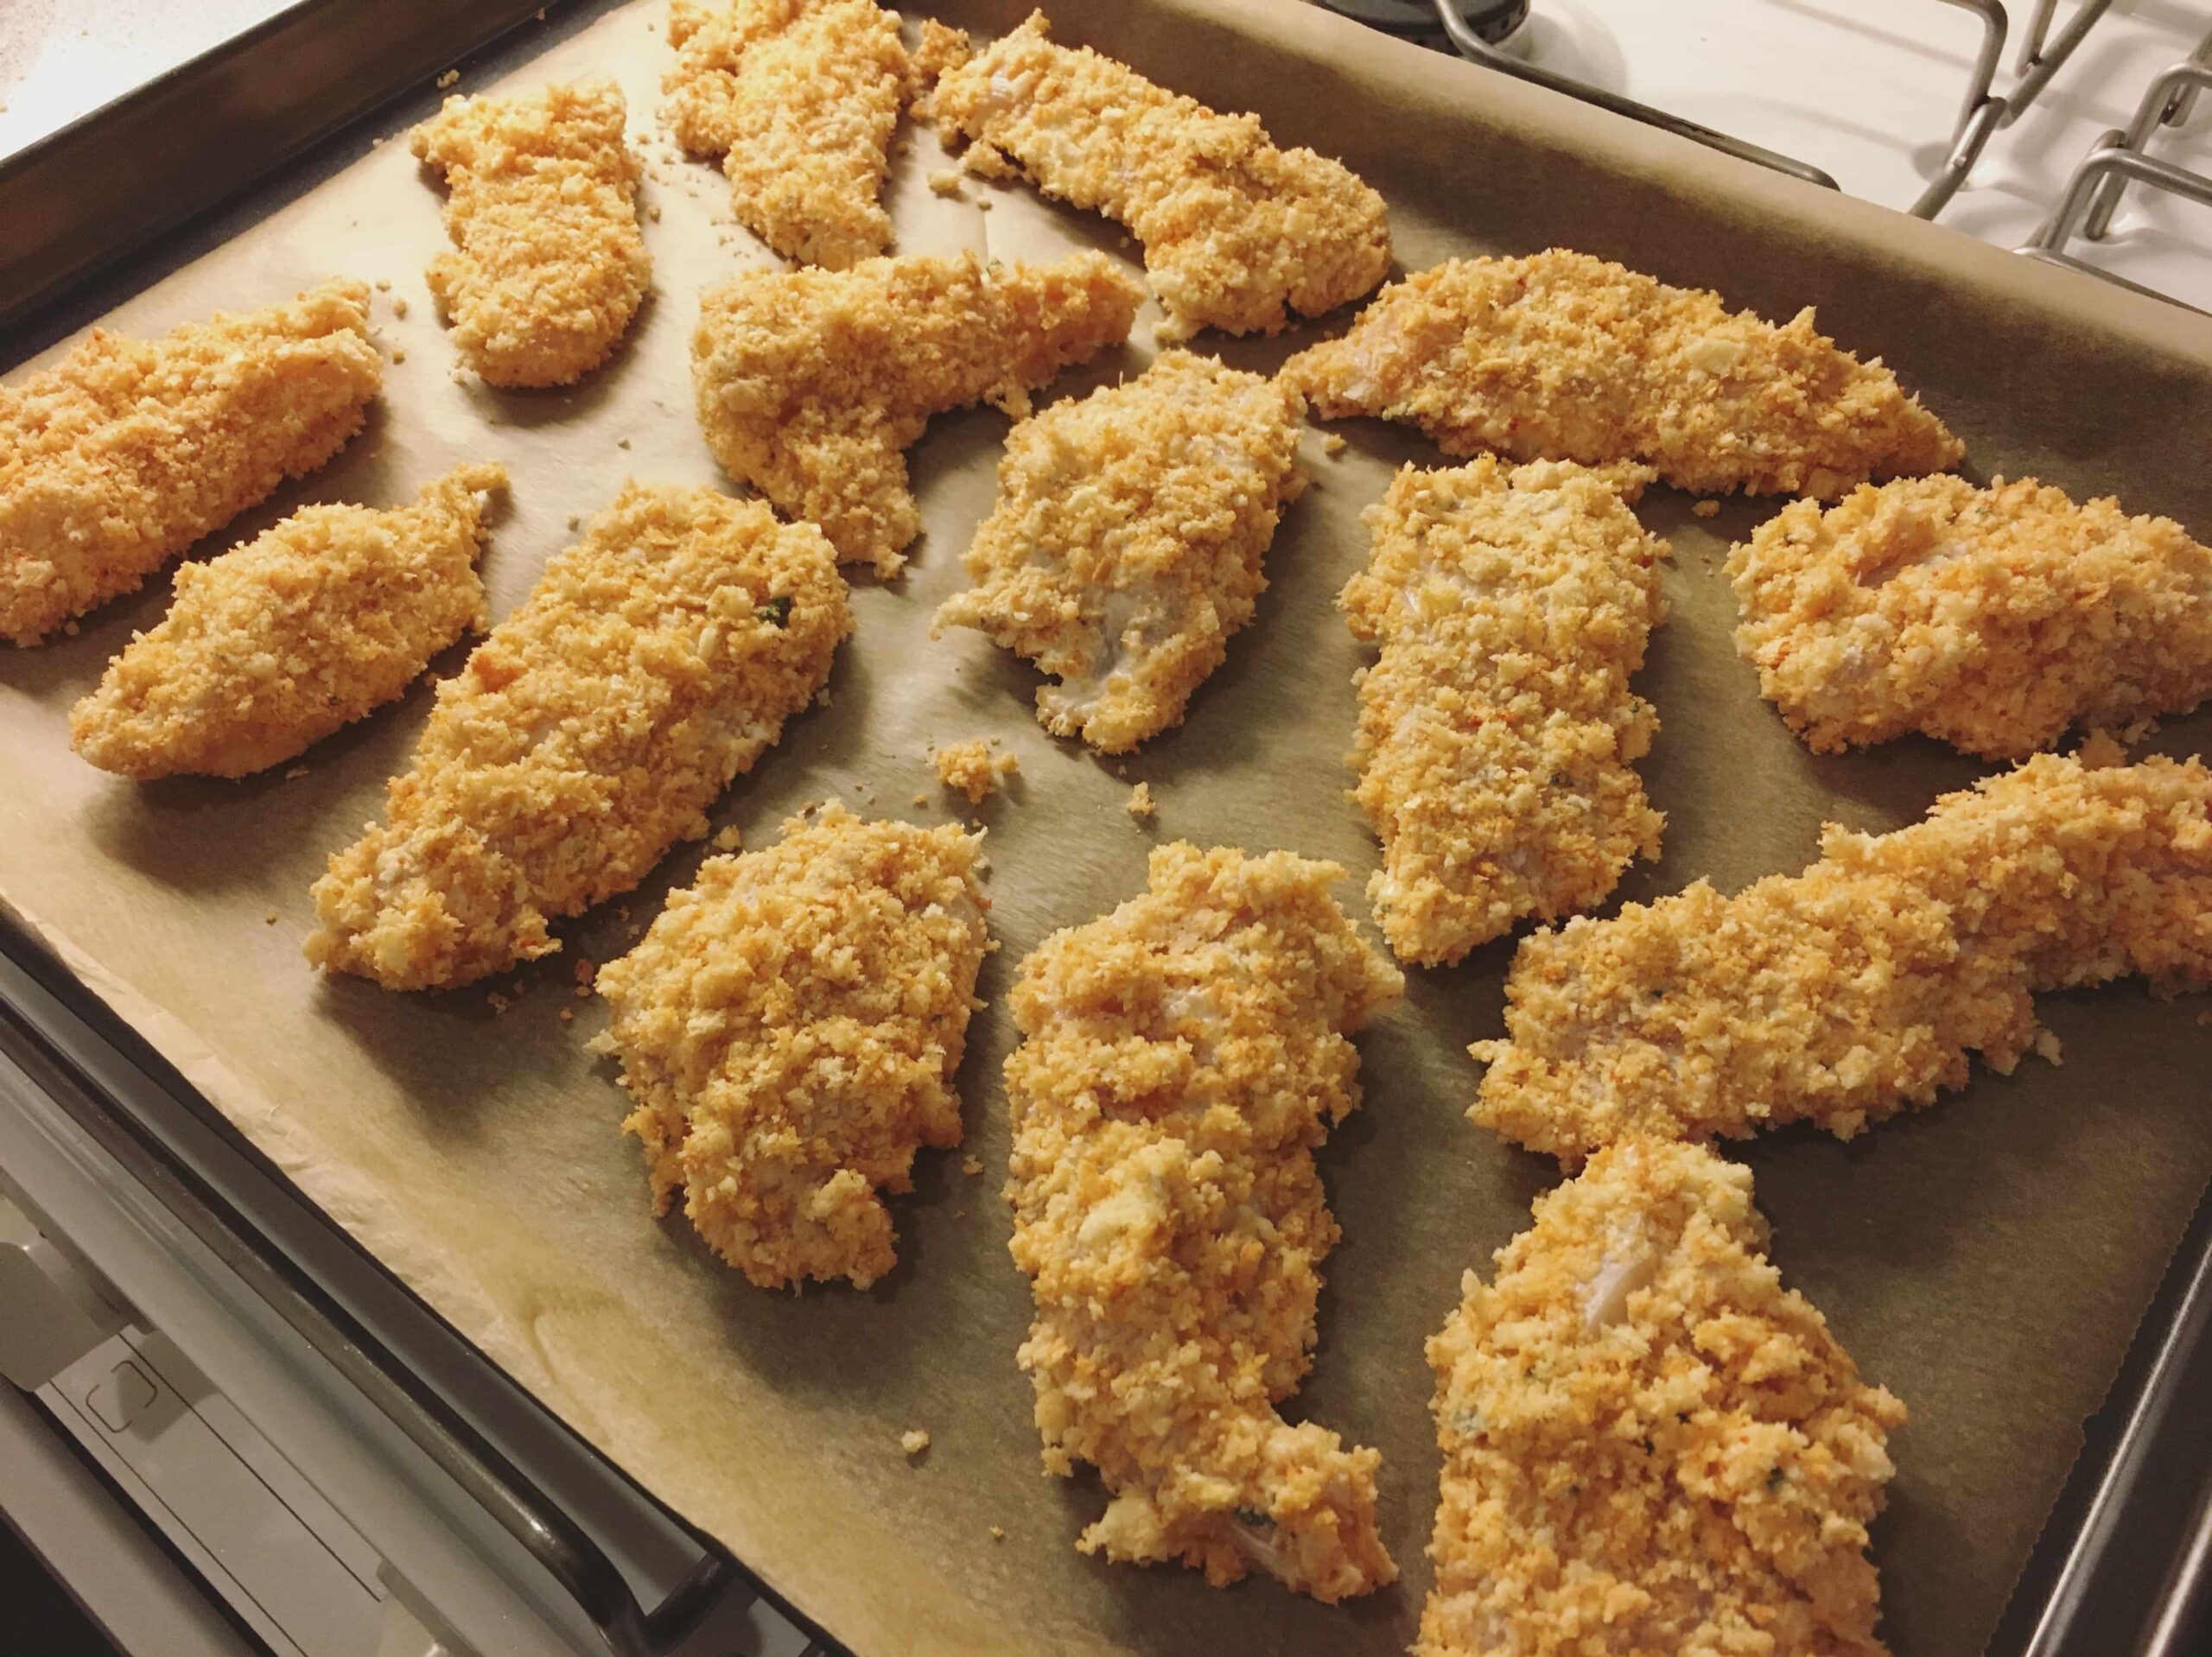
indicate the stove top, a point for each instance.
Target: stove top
{"x":1878,"y":96}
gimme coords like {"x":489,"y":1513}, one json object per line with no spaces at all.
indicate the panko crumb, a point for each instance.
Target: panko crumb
{"x":1705,"y":509}
{"x":799,"y":99}
{"x":1990,"y":618}
{"x":1238,"y":234}
{"x":811,"y":383}
{"x":272,"y":646}
{"x":1141,"y":804}
{"x":945,"y":181}
{"x":128,"y":451}
{"x":294,"y":773}
{"x":1860,"y":987}
{"x":914,"y":1440}
{"x":972,"y":1165}
{"x":652,"y":662}
{"x":727,"y":840}
{"x":1497,"y":733}
{"x":970,"y":768}
{"x":1561,"y":357}
{"x":1179,"y":1061}
{"x":446,"y":79}
{"x":271,"y":918}
{"x":549,"y":264}
{"x":998,"y":1533}
{"x":1126,"y":543}
{"x":399,"y":307}
{"x":789,"y":1029}
{"x":1333,"y":442}
{"x":1650,"y":1445}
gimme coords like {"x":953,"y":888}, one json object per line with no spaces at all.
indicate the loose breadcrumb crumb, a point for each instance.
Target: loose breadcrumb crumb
{"x":1126,"y":544}
{"x":1846,"y":993}
{"x":972,"y":1165}
{"x":1237,"y":234}
{"x":998,"y":1533}
{"x":590,"y":732}
{"x":127,"y":451}
{"x":549,"y":264}
{"x":270,"y":919}
{"x":728,"y":840}
{"x":1990,"y":618}
{"x":945,"y":181}
{"x":277,"y":642}
{"x":799,"y":97}
{"x":1705,"y":509}
{"x":1332,"y":442}
{"x":1141,"y":804}
{"x":1650,"y":1445}
{"x":811,"y":383}
{"x":1180,"y":1060}
{"x":914,"y":1440}
{"x":1561,"y":357}
{"x":970,"y":768}
{"x":295,"y":773}
{"x":399,"y":306}
{"x":790,"y":1028}
{"x":446,"y":79}
{"x":1497,"y":733}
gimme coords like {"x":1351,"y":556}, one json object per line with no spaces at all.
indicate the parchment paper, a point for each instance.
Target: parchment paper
{"x":1987,"y":1259}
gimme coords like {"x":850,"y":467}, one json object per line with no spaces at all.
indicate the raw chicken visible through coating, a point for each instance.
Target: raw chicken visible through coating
{"x":128,"y":451}
{"x":1126,"y":545}
{"x":549,"y":265}
{"x":1236,"y":233}
{"x":1843,"y":994}
{"x":1991,"y":619}
{"x":654,"y":661}
{"x":790,"y":1028}
{"x":280,"y":641}
{"x":1650,"y":1445}
{"x":811,"y":383}
{"x":1562,"y":357}
{"x":1497,"y":733}
{"x":800,"y":99}
{"x":1180,"y":1060}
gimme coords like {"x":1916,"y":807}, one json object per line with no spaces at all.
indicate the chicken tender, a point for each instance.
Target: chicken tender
{"x":1990,"y":618}
{"x":1238,"y":234}
{"x":790,"y":1028}
{"x":280,"y":641}
{"x":1126,"y":545}
{"x":799,"y":97}
{"x":128,"y":451}
{"x":1842,"y":995}
{"x":1497,"y":733}
{"x":1562,"y":357}
{"x":654,"y":661}
{"x":811,"y":383}
{"x":1650,"y":1445}
{"x":1180,"y":1060}
{"x":550,"y":265}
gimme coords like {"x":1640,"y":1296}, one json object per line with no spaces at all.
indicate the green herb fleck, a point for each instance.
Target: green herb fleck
{"x":777,"y":612}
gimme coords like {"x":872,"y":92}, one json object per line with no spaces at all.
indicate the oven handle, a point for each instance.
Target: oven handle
{"x":536,"y":1522}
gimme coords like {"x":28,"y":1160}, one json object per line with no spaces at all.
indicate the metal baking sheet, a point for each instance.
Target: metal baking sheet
{"x":1987,"y":1259}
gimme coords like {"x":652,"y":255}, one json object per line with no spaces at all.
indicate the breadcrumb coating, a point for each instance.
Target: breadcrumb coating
{"x":1989,"y":618}
{"x":970,"y":767}
{"x":1180,"y":1060}
{"x":654,"y":661}
{"x":548,"y":264}
{"x":811,"y":383}
{"x":1562,"y":357}
{"x":789,"y":1028}
{"x":1497,"y":733}
{"x":1842,"y":995}
{"x":1126,"y":544}
{"x":1650,"y":1445}
{"x":282,"y":640}
{"x":128,"y":451}
{"x":799,"y":97}
{"x":1238,"y":234}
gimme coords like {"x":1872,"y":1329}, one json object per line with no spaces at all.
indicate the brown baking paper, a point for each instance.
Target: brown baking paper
{"x":1987,"y":1259}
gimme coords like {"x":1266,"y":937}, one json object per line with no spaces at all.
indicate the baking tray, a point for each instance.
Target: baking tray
{"x":1517,"y":169}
